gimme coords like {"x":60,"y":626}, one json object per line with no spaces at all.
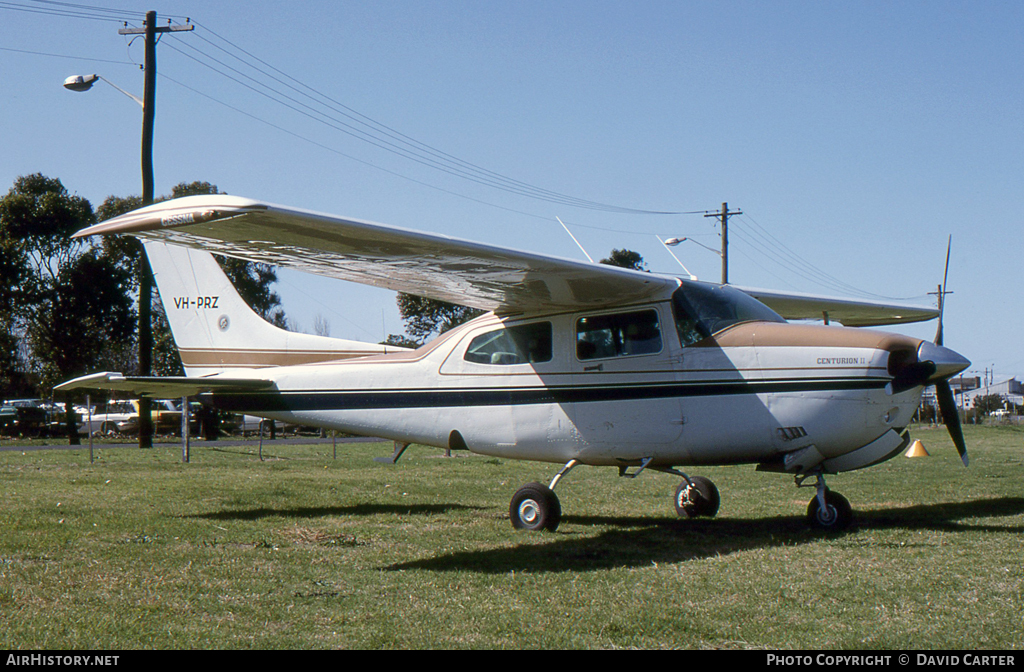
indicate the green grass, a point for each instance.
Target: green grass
{"x":140,"y":551}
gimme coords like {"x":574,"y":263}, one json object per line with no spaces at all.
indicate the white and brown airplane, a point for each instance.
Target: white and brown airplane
{"x":574,"y":364}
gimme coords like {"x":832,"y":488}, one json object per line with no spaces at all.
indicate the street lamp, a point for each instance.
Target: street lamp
{"x":672,"y":242}
{"x":84,"y":83}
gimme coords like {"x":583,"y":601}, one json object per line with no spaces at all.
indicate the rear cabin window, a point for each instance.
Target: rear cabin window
{"x":618,"y":335}
{"x":523,"y":344}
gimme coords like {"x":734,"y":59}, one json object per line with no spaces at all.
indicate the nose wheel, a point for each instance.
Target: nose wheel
{"x":835,"y":515}
{"x":828,"y":511}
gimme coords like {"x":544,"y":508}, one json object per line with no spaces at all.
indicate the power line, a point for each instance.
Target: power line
{"x":68,"y":10}
{"x":325,"y":110}
{"x":348,"y":129}
{"x":775,"y":250}
{"x":76,"y":58}
{"x":784,"y":252}
{"x":410,"y":144}
{"x":382,"y":136}
{"x":334,"y":150}
{"x":136,"y":15}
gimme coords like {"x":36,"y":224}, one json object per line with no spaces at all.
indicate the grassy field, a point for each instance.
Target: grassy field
{"x":301,"y":550}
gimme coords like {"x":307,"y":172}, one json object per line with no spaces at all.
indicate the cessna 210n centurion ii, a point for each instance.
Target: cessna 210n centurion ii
{"x":574,"y":364}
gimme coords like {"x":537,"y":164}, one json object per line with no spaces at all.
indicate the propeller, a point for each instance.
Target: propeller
{"x":933,"y":364}
{"x":943,"y":391}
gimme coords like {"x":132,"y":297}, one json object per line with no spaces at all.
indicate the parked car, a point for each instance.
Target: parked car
{"x":32,"y":417}
{"x":252,"y":424}
{"x":166,"y":414}
{"x":8,"y":416}
{"x":117,"y":417}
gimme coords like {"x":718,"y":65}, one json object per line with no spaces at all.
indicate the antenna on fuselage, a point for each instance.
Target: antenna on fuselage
{"x":590,"y":258}
{"x":669,"y":250}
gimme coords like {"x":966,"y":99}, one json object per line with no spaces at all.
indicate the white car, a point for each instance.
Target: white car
{"x":120,"y":417}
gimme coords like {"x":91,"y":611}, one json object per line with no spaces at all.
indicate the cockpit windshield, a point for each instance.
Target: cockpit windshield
{"x":703,"y":309}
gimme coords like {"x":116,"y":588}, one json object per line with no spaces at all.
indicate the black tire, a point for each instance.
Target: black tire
{"x":837,"y":515}
{"x":535,"y":507}
{"x":108,"y":429}
{"x":702,"y":499}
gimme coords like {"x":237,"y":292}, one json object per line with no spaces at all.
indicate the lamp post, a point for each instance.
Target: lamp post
{"x":84,"y":83}
{"x":148,"y":102}
{"x":80,"y":83}
{"x":672,"y":242}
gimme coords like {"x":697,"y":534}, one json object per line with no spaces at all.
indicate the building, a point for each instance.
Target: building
{"x":1010,"y":389}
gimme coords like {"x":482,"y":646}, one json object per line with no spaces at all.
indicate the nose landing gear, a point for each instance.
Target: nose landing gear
{"x":828,"y":511}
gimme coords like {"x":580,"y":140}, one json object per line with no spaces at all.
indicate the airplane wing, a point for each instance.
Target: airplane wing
{"x":440,"y":267}
{"x":450,"y":269}
{"x":848,"y":312}
{"x":162,"y":387}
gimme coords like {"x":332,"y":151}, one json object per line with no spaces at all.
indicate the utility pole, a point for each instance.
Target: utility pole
{"x":150,"y":30}
{"x":724,"y":217}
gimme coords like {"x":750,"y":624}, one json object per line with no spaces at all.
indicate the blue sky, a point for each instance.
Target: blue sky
{"x":855,"y":137}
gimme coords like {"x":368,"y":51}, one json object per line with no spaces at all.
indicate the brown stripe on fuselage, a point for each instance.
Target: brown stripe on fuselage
{"x":772,"y":334}
{"x":262,"y":358}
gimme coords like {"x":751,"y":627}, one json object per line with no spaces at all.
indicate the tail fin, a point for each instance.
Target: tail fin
{"x":216,"y":330}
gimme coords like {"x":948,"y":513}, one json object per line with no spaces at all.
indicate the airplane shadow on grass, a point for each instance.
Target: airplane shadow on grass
{"x":322,"y":511}
{"x":639,"y":542}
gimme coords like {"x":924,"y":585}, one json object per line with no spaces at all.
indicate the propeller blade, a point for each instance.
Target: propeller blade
{"x":942,"y":291}
{"x":951,"y":416}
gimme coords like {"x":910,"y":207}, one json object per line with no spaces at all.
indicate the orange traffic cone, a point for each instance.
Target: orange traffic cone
{"x":917,"y":450}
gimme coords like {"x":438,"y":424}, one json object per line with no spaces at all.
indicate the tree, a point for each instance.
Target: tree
{"x":625,"y":259}
{"x":425,"y":318}
{"x":72,"y":306}
{"x":984,"y":405}
{"x":14,"y":272}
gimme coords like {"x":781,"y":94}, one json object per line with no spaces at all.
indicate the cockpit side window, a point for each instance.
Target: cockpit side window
{"x":618,"y":335}
{"x":522,"y":344}
{"x":702,"y":310}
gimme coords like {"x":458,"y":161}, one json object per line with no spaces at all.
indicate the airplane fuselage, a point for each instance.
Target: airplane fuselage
{"x":751,"y":393}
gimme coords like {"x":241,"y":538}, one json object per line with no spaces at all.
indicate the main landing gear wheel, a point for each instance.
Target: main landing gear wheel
{"x":835,"y":516}
{"x":535,"y":507}
{"x":698,"y":497}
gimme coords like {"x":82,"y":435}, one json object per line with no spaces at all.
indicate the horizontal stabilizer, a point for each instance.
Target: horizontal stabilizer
{"x":160,"y":386}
